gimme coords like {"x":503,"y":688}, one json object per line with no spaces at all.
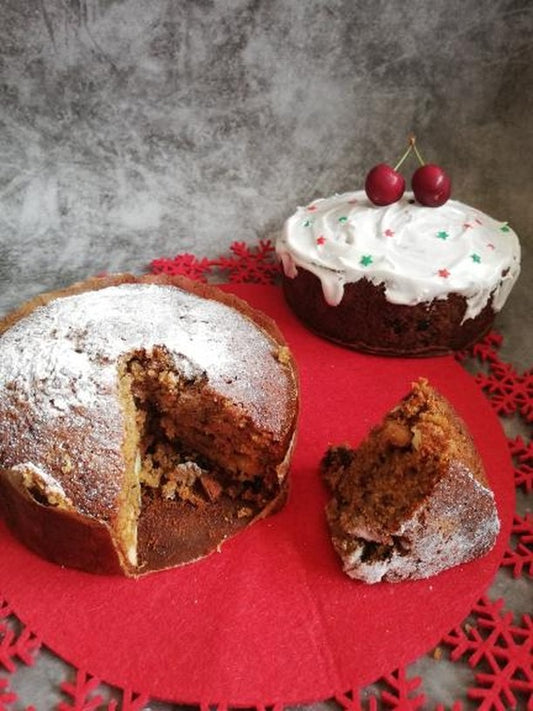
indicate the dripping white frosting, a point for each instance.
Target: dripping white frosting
{"x":418,"y":253}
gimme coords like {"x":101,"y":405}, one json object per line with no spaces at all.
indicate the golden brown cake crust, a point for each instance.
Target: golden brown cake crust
{"x":44,"y":511}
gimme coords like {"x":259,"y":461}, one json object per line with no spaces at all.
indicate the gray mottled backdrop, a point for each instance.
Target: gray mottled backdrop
{"x":132,"y":129}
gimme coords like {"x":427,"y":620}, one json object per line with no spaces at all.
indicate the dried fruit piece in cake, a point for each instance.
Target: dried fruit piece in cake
{"x":413,"y":498}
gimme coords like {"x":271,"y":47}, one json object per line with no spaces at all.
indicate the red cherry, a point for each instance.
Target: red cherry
{"x":384,"y":185}
{"x":431,"y":186}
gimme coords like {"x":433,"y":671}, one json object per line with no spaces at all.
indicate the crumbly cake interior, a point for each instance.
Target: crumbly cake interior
{"x":186,"y":446}
{"x":392,"y":472}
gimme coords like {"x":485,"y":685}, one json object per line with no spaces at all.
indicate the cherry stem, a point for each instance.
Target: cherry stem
{"x":398,"y":164}
{"x":417,"y":152}
{"x":412,"y":147}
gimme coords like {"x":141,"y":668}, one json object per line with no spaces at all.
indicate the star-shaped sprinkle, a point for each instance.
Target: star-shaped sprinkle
{"x":475,"y":258}
{"x":444,"y":273}
{"x":365,"y":260}
{"x":320,"y":239}
{"x":505,"y":227}
{"x":311,"y":208}
{"x":389,"y":233}
{"x":442,"y":235}
{"x":343,"y":219}
{"x":308,"y":223}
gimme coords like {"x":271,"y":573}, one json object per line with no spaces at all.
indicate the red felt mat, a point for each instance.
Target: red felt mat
{"x":272,"y":618}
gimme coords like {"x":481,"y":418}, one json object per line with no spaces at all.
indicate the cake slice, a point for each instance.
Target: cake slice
{"x":413,"y":498}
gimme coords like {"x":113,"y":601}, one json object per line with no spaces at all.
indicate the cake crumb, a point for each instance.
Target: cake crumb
{"x":283,"y":355}
{"x":244,"y":511}
{"x":211,"y":487}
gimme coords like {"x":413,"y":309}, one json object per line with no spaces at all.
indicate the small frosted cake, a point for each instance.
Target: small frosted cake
{"x":143,"y":421}
{"x":413,"y":498}
{"x":400,"y":280}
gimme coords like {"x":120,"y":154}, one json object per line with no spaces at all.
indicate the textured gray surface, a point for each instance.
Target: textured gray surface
{"x":133,"y":129}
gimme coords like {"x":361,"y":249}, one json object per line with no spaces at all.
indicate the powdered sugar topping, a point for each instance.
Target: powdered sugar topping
{"x":59,"y":368}
{"x":73,"y":344}
{"x":458,"y":523}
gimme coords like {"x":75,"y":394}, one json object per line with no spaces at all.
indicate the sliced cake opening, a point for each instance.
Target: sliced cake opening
{"x":197,"y":461}
{"x":412,"y":499}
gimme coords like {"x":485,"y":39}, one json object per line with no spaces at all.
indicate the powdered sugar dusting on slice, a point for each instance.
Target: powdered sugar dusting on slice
{"x":458,"y":523}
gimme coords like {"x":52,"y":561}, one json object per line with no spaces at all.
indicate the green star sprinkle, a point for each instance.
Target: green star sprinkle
{"x":505,"y":227}
{"x":308,"y":223}
{"x":476,"y":258}
{"x":442,"y":235}
{"x":343,"y":219}
{"x":366,"y":259}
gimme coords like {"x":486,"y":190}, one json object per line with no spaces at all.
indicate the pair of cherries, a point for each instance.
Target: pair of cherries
{"x":430,"y":184}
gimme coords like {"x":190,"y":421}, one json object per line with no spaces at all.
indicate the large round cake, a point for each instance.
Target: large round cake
{"x":403,"y":279}
{"x":142,"y":422}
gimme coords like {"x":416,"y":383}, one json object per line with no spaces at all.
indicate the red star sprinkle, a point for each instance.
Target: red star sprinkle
{"x":321,"y":239}
{"x":389,"y":233}
{"x":444,"y":273}
{"x":311,"y":208}
{"x":491,"y":246}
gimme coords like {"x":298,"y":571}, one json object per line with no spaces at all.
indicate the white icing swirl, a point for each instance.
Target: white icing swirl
{"x":418,"y":253}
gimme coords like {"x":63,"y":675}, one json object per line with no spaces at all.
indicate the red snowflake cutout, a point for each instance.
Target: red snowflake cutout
{"x":484,"y":351}
{"x":398,"y":691}
{"x":351,"y":702}
{"x":131,"y":701}
{"x":183,"y":265}
{"x":5,"y":609}
{"x":522,"y":456}
{"x":506,"y":650}
{"x":6,"y":696}
{"x":13,"y":646}
{"x":251,"y":265}
{"x":525,"y":395}
{"x":259,"y":707}
{"x":520,"y":558}
{"x":401,"y":692}
{"x":502,"y":385}
{"x":255,"y":265}
{"x":82,"y":693}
